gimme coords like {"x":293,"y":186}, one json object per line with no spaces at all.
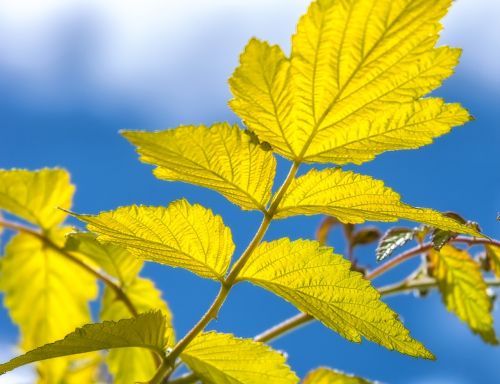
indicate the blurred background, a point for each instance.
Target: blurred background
{"x":72,"y":73}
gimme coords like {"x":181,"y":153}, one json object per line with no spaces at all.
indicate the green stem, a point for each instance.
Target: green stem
{"x":161,"y":372}
{"x":284,"y":327}
{"x":230,"y":280}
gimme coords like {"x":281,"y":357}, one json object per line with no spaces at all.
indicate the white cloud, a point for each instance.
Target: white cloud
{"x":23,"y":375}
{"x":177,"y":52}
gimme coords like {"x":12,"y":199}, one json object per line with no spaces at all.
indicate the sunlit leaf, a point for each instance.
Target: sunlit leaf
{"x":493,"y":254}
{"x":262,"y":96}
{"x":351,"y":87}
{"x":36,"y":195}
{"x":463,"y":289}
{"x":354,"y":198}
{"x":321,"y":284}
{"x":132,"y":365}
{"x":221,"y":157}
{"x":222,"y":358}
{"x":330,"y":376}
{"x":145,"y":331}
{"x":46,"y":294}
{"x":181,"y":235}
{"x":114,"y":260}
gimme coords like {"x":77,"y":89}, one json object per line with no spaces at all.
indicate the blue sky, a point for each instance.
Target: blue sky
{"x":72,"y":73}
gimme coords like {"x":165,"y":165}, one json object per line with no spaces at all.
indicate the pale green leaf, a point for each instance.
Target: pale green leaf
{"x":36,"y":195}
{"x":351,"y":88}
{"x":321,"y":284}
{"x":354,"y":198}
{"x":132,"y":365}
{"x":46,"y":294}
{"x":181,"y":235}
{"x":463,"y":289}
{"x":330,"y":376}
{"x":145,"y":331}
{"x":219,"y":358}
{"x":221,"y":157}
{"x":393,"y":239}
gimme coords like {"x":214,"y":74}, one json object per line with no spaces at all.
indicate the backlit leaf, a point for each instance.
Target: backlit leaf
{"x":145,"y":331}
{"x":463,"y":289}
{"x":221,"y":157}
{"x":262,"y":96}
{"x":331,"y":376}
{"x":36,"y":195}
{"x":351,"y":87}
{"x":181,"y":235}
{"x":114,"y":260}
{"x":354,"y":198}
{"x":321,"y":284}
{"x":52,"y":301}
{"x":127,"y":365}
{"x":493,"y":254}
{"x":222,"y":358}
{"x":132,"y":365}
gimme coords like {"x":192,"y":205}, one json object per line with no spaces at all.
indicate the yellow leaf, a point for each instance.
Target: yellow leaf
{"x":52,"y":301}
{"x":127,"y":365}
{"x":354,"y":198}
{"x":262,"y":98}
{"x":351,"y":87}
{"x":181,"y":235}
{"x":221,"y":157}
{"x":146,"y":331}
{"x":321,"y":284}
{"x":330,"y":376}
{"x":131,"y":365}
{"x":493,"y":253}
{"x":112,"y":259}
{"x":222,"y":358}
{"x":36,"y":195}
{"x":463,"y":289}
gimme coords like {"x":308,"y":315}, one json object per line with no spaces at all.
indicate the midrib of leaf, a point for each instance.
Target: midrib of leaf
{"x":342,"y":89}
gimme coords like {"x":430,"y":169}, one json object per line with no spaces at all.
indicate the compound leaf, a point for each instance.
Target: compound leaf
{"x":221,"y":157}
{"x":321,"y":284}
{"x":222,"y":358}
{"x":330,"y":376}
{"x":54,"y":299}
{"x":351,"y":88}
{"x":463,"y":289}
{"x":35,"y":195}
{"x":354,"y":198}
{"x":181,"y":235}
{"x":146,"y":331}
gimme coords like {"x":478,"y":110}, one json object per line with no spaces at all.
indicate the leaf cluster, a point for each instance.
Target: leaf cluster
{"x":352,"y":88}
